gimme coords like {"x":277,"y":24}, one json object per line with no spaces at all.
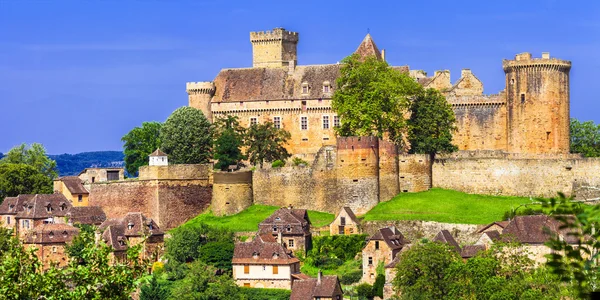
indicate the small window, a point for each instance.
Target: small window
{"x":288,"y":228}
{"x":25,"y":223}
{"x":80,"y":198}
{"x":304,"y":123}
{"x":246,"y":269}
{"x":341,"y":230}
{"x":370,"y":261}
{"x":325,"y":122}
{"x":93,"y":179}
{"x":291,"y":243}
{"x":51,"y":235}
{"x":8,"y":220}
{"x":277,"y":122}
{"x":247,"y":284}
{"x":342,"y":220}
{"x":49,"y":208}
{"x":522,"y":98}
{"x":253,"y":121}
{"x":130,"y":226}
{"x":336,"y":121}
{"x":376,"y":245}
{"x":274,"y":228}
{"x":275,"y":269}
{"x":326,"y":89}
{"x":305,"y":88}
{"x":53,"y":249}
{"x":305,"y":139}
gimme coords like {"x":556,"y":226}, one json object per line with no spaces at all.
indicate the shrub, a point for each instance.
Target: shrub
{"x":265,"y":294}
{"x":158,"y":267}
{"x":364,"y":291}
{"x":378,"y":285}
{"x":278,"y":164}
{"x":351,"y":277}
{"x":299,"y":161}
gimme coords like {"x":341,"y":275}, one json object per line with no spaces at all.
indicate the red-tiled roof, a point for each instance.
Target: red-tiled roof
{"x":259,"y":251}
{"x":368,"y":48}
{"x":308,"y":289}
{"x":117,"y":231}
{"x":51,"y":234}
{"x":392,"y":237}
{"x":295,"y":219}
{"x":91,"y":215}
{"x":532,"y":229}
{"x":43,"y":206}
{"x":74,"y":184}
{"x":469,"y":251}
{"x":501,"y":224}
{"x":157,"y":152}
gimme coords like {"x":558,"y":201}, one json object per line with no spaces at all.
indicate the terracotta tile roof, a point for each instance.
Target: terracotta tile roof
{"x":368,"y":48}
{"x":114,"y":236}
{"x":232,"y":85}
{"x":73,"y":184}
{"x":469,"y":251}
{"x":134,"y":224}
{"x":501,"y":224}
{"x":13,"y":205}
{"x":287,"y":221}
{"x":445,"y":236}
{"x":51,"y":234}
{"x":91,"y":215}
{"x":532,"y":229}
{"x":43,"y":206}
{"x":306,"y":289}
{"x":259,"y":251}
{"x":392,"y":237}
{"x":157,"y":152}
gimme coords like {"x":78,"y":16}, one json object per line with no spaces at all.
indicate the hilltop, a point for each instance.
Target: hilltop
{"x":72,"y":164}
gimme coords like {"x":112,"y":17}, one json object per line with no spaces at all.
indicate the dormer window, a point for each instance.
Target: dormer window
{"x":288,"y":228}
{"x":254,"y":254}
{"x":121,"y":242}
{"x":130,"y":225}
{"x":48,"y":208}
{"x":51,"y":235}
{"x":63,"y":207}
{"x":305,"y":88}
{"x":274,"y":228}
{"x":278,"y":219}
{"x":11,"y":207}
{"x":150,"y":226}
{"x":275,"y":255}
{"x":64,"y":233}
{"x":326,"y":87}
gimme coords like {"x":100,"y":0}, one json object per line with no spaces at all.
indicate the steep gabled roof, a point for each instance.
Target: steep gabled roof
{"x":350,"y":214}
{"x":368,"y":48}
{"x":43,"y":206}
{"x":532,"y":229}
{"x":295,"y":219}
{"x":51,"y":234}
{"x":74,"y":184}
{"x":158,"y":152}
{"x":134,"y":224}
{"x":262,"y":251}
{"x":445,"y":236}
{"x":328,"y":287}
{"x":13,"y":205}
{"x":392,"y":237}
{"x":469,"y":251}
{"x":501,"y":224}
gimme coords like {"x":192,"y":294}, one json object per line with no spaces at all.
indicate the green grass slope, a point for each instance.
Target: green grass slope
{"x":445,"y":206}
{"x":248,"y":219}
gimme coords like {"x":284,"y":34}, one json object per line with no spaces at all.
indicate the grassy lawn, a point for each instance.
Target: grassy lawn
{"x":446,"y":206}
{"x":248,"y":219}
{"x":347,"y":267}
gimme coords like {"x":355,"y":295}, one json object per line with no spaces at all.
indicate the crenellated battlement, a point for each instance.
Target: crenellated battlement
{"x":200,"y":87}
{"x":277,"y":34}
{"x":524,"y":60}
{"x":357,"y":142}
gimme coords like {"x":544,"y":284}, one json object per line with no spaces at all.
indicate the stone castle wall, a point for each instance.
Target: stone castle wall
{"x":232,"y":192}
{"x":414,"y":172}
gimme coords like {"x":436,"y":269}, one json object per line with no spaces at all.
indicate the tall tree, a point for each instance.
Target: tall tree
{"x":35,"y":156}
{"x":154,"y":290}
{"x":372,"y":99}
{"x":139,"y":143}
{"x":18,"y":179}
{"x":228,"y":142}
{"x":266,"y":143}
{"x":187,"y":136}
{"x":585,"y":138}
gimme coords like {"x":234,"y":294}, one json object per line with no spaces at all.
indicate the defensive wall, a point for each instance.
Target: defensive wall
{"x":232,"y":192}
{"x":170,"y":195}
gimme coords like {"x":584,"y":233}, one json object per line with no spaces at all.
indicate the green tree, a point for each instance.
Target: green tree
{"x":217,"y":254}
{"x":228,"y":142}
{"x":187,"y":136}
{"x":18,"y":179}
{"x":75,"y":249}
{"x":200,"y":283}
{"x":266,"y":143}
{"x":35,"y":156}
{"x":186,"y":243}
{"x":139,"y":143}
{"x":585,"y":138}
{"x":372,"y":99}
{"x":431,"y":124}
{"x":154,"y":290}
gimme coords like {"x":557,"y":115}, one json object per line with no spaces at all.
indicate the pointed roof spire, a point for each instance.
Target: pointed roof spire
{"x":158,"y":153}
{"x":368,"y":48}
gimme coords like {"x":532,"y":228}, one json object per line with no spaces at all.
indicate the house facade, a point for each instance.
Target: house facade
{"x":9,"y":209}
{"x":50,"y":241}
{"x":320,"y":288}
{"x":133,"y":229}
{"x":72,"y":188}
{"x":41,"y":209}
{"x":292,"y":225}
{"x":345,"y":223}
{"x":381,"y":248}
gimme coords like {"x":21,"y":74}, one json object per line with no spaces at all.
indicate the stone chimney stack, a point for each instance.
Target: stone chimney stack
{"x":279,"y":238}
{"x":319,"y":277}
{"x":383,"y":54}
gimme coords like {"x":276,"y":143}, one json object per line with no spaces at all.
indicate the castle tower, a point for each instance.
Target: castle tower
{"x":273,"y":49}
{"x":537,"y":100}
{"x":200,"y":94}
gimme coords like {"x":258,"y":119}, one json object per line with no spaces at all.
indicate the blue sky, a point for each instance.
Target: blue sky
{"x":78,"y":75}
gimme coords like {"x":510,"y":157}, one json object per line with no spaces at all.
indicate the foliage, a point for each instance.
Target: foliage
{"x":75,"y":249}
{"x":431,"y":123}
{"x":228,"y":142}
{"x":299,"y":161}
{"x":72,"y":164}
{"x":200,"y":282}
{"x":577,"y":263}
{"x":378,"y":285}
{"x":372,"y":99}
{"x":18,"y":179}
{"x":265,"y":294}
{"x":349,"y":272}
{"x":34,"y":156}
{"x":154,"y":290}
{"x":364,"y":291}
{"x":342,"y":247}
{"x":585,"y":138}
{"x":446,"y":206}
{"x":186,"y":243}
{"x":278,"y":164}
{"x":139,"y":143}
{"x":218,"y":254}
{"x":187,"y":136}
{"x":351,"y":276}
{"x":266,"y":143}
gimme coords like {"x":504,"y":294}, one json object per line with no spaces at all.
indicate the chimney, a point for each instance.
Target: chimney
{"x":290,"y":206}
{"x":383,"y":54}
{"x":546,"y":55}
{"x":291,"y":67}
{"x":279,"y":239}
{"x":465,"y":72}
{"x":319,"y":277}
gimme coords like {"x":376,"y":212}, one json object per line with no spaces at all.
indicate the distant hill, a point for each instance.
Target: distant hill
{"x":72,"y":164}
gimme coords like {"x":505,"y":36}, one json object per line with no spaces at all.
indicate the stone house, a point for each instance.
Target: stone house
{"x":469,"y":251}
{"x":444,"y":236}
{"x":495,"y":226}
{"x":51,"y":240}
{"x":72,"y":188}
{"x":382,"y":248}
{"x":133,"y":229}
{"x":41,"y":209}
{"x":93,"y":175}
{"x":320,"y":288}
{"x":345,"y":223}
{"x":265,"y":263}
{"x":9,"y":209}
{"x":292,"y":224}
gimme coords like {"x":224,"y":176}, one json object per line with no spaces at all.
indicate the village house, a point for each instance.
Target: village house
{"x":50,"y":241}
{"x":469,"y":251}
{"x":93,"y":175}
{"x":292,"y":224}
{"x":345,"y":223}
{"x":495,"y":226}
{"x":9,"y":209}
{"x":133,"y":229}
{"x":72,"y":188}
{"x":41,"y":209}
{"x":320,"y":288}
{"x":382,"y":248}
{"x":444,"y":236}
{"x":265,"y":263}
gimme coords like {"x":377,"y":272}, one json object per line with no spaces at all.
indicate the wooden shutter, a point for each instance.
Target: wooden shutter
{"x":246,"y":269}
{"x":275,"y":269}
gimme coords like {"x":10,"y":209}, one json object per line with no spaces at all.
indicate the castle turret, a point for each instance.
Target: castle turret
{"x":200,"y":95}
{"x":273,"y":49}
{"x":537,"y":94}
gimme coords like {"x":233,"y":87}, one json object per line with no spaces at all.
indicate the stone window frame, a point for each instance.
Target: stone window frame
{"x":291,"y":243}
{"x":303,"y":126}
{"x":326,"y":87}
{"x":325,"y":122}
{"x":336,"y":121}
{"x":370,"y":260}
{"x":277,"y":119}
{"x":79,"y":198}
{"x":305,"y":89}
{"x":255,"y":118}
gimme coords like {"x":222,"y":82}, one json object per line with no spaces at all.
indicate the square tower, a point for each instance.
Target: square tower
{"x":274,"y":49}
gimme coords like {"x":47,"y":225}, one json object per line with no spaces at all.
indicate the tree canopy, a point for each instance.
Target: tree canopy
{"x":585,"y":138}
{"x":34,"y":156}
{"x":18,"y":179}
{"x":139,"y":143}
{"x":187,"y":136}
{"x":228,"y":142}
{"x":372,"y":99}
{"x":266,"y":143}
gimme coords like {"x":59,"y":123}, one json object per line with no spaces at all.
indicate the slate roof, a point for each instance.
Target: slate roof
{"x":392,"y":237}
{"x":262,"y":250}
{"x":445,"y":236}
{"x":368,"y":48}
{"x":494,"y":235}
{"x":43,"y":206}
{"x":90,"y":215}
{"x":157,"y":152}
{"x":531,"y":229}
{"x":501,"y":224}
{"x":13,"y":205}
{"x":311,"y":288}
{"x":74,"y":184}
{"x":51,"y":234}
{"x":296,"y":219}
{"x":469,"y":251}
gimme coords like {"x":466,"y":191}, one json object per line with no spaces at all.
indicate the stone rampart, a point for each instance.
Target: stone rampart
{"x":232,"y":192}
{"x":176,"y":172}
{"x":414,"y":172}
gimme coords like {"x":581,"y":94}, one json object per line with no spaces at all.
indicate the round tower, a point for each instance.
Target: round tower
{"x":537,"y":101}
{"x":200,"y":95}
